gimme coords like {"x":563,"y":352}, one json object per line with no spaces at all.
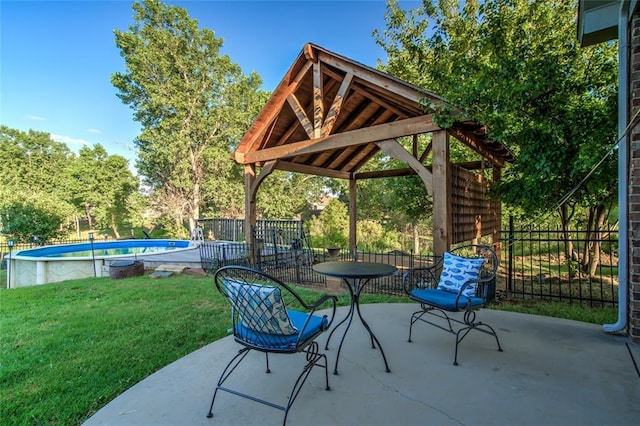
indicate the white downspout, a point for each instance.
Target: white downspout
{"x":623,"y":173}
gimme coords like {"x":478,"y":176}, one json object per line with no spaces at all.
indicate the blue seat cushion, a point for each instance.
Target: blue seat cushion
{"x":445,"y":300}
{"x":279,"y":342}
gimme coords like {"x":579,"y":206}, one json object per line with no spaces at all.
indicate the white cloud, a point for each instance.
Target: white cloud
{"x":35,"y":117}
{"x":68,"y":140}
{"x":94,"y":131}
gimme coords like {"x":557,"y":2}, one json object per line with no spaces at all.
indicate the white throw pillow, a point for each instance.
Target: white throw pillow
{"x":456,"y":271}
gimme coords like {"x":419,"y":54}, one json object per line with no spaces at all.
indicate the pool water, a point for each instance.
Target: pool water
{"x":106,"y":248}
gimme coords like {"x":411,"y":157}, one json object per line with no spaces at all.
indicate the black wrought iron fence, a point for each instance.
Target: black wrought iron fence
{"x":543,"y":264}
{"x":554,"y":265}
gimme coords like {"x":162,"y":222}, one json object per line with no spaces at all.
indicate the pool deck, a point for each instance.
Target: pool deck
{"x":186,"y":258}
{"x":552,"y":372}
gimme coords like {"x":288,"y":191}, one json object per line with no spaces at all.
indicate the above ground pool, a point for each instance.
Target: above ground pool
{"x":51,"y":264}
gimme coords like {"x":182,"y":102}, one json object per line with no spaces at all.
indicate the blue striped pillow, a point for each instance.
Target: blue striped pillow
{"x":456,"y":271}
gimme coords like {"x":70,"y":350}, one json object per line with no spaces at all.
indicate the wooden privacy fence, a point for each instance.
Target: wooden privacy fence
{"x":474,"y":213}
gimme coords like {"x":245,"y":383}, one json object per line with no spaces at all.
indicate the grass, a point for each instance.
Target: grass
{"x":573,"y":311}
{"x":69,"y":348}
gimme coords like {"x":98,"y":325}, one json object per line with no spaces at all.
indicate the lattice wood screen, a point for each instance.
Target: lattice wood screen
{"x":474,"y":213}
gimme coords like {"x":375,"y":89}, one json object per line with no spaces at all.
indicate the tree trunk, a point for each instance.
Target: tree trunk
{"x":114,"y":227}
{"x":89,"y":219}
{"x":76,"y":224}
{"x":586,"y":251}
{"x":595,"y":253}
{"x":565,"y":217}
{"x":416,"y":238}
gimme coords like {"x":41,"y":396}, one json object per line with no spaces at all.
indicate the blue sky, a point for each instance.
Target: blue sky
{"x":56,"y":57}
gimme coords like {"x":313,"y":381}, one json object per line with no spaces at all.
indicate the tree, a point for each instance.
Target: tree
{"x":34,"y":182}
{"x":102,"y":184}
{"x":331,"y":227}
{"x":194,"y":105}
{"x":286,"y":195}
{"x":32,"y":162}
{"x":23,"y":219}
{"x":515,"y":65}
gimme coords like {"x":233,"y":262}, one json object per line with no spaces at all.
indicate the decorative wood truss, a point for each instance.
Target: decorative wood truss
{"x":330,"y":115}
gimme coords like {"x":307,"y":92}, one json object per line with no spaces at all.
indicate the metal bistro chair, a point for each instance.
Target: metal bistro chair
{"x":268,"y":316}
{"x":465,"y":274}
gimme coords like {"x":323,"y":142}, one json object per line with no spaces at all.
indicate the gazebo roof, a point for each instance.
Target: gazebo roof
{"x":328,"y":113}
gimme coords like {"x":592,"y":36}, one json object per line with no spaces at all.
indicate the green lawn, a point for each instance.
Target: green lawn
{"x":67,"y":349}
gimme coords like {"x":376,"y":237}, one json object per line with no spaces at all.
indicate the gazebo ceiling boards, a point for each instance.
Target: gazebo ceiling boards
{"x":329,"y":115}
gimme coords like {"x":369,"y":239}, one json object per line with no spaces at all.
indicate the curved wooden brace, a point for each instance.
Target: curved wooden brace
{"x":265,"y":171}
{"x":392,"y":148}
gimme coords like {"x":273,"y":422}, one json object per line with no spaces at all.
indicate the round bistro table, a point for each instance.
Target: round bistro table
{"x":355,"y":275}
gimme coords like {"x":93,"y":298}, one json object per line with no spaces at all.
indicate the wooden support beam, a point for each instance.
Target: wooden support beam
{"x":426,"y":152}
{"x":265,"y":171}
{"x":353,"y":208}
{"x":311,"y":170}
{"x":273,"y":107}
{"x":377,"y":79}
{"x":406,"y":127}
{"x":442,"y":235}
{"x":249,"y":203}
{"x":405,"y":171}
{"x":476,"y":145}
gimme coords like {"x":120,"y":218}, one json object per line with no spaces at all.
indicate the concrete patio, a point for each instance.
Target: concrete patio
{"x":552,"y":372}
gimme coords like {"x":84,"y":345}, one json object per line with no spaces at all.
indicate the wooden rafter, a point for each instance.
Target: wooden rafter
{"x":318,"y":100}
{"x":298,"y":110}
{"x":473,"y":143}
{"x":336,"y":106}
{"x":274,"y":106}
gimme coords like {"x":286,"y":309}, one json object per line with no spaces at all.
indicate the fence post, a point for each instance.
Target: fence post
{"x":510,"y":264}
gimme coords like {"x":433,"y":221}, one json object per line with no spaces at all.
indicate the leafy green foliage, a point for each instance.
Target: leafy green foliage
{"x":374,"y":238}
{"x":193,"y":103}
{"x":515,"y":65}
{"x":44,"y":187}
{"x":331,"y":227}
{"x":103,"y":186}
{"x":21,"y":220}
{"x":284,"y":195}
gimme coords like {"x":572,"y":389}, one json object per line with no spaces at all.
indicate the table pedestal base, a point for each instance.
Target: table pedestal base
{"x":355,"y":289}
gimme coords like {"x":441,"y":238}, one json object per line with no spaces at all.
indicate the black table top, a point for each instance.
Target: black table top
{"x":351,"y":269}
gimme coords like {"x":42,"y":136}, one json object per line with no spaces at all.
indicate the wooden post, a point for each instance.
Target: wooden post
{"x":441,"y":171}
{"x":353,"y":189}
{"x":497,"y":229}
{"x":249,"y":207}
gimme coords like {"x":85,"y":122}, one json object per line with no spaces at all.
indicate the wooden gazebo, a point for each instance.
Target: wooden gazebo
{"x":329,"y":115}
